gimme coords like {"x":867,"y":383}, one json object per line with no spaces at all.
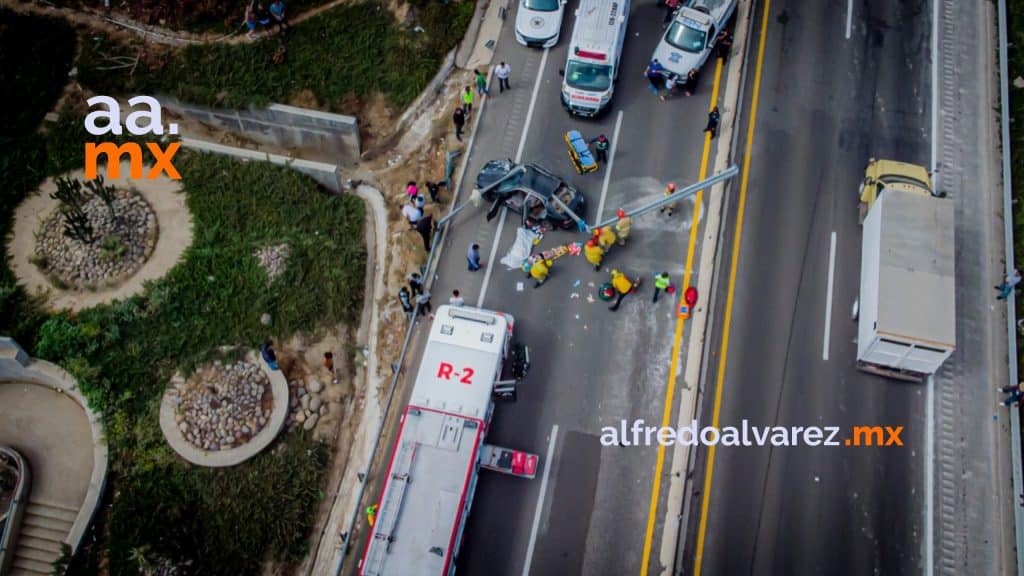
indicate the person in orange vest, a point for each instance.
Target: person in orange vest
{"x":593,"y":253}
{"x":623,"y":226}
{"x":622,"y":285}
{"x":606,"y":239}
{"x":670,"y":189}
{"x":371,"y":515}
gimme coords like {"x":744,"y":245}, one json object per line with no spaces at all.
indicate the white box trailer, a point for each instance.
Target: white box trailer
{"x":907,"y":306}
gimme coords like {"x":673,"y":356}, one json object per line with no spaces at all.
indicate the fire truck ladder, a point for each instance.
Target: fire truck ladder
{"x":390,"y":507}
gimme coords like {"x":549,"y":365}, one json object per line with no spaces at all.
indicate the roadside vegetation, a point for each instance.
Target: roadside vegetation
{"x":338,"y":59}
{"x":1015,"y":14}
{"x":160,"y":511}
{"x":212,"y":16}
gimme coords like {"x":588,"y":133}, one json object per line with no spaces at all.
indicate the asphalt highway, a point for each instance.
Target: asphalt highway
{"x":827,"y":103}
{"x":590,"y":367}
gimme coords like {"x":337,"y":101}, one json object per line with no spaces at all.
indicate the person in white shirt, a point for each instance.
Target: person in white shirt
{"x":502,"y":72}
{"x":457,"y":299}
{"x":412,"y":213}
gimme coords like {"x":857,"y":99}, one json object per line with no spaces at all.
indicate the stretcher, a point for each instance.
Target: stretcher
{"x":550,"y":254}
{"x":579,"y":152}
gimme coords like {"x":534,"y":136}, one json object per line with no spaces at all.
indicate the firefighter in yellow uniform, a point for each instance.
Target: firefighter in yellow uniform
{"x":622,"y":285}
{"x":623,"y":226}
{"x":539,"y":271}
{"x":606,"y":239}
{"x":593,"y":253}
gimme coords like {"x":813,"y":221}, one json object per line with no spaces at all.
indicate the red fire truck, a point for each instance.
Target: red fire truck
{"x":440,"y":447}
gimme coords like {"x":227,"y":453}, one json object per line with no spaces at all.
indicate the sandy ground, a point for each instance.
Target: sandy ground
{"x":173,"y":219}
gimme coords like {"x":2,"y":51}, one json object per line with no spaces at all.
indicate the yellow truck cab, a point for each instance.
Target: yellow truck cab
{"x":891,"y":175}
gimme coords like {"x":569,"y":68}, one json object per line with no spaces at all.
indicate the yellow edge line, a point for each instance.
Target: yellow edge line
{"x":727,"y":320}
{"x":678,"y":339}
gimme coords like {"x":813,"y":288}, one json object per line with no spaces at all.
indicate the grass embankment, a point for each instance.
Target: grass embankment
{"x":223,"y":521}
{"x":346,"y":54}
{"x":204,"y":521}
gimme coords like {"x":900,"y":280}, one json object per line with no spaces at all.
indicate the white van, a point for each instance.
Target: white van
{"x":594,"y":53}
{"x":690,"y":38}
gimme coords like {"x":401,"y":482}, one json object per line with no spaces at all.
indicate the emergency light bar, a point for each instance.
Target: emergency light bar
{"x":589,"y":54}
{"x":464,"y":314}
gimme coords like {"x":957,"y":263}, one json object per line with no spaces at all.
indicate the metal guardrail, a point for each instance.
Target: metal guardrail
{"x":1011,"y":321}
{"x":13,"y":515}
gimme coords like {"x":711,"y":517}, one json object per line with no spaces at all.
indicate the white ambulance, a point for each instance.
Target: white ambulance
{"x":594,"y":53}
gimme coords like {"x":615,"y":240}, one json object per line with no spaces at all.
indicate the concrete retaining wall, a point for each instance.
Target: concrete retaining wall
{"x":327,"y":175}
{"x":317,"y":135}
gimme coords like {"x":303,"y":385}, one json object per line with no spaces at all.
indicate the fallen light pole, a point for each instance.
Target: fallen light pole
{"x":678,"y":195}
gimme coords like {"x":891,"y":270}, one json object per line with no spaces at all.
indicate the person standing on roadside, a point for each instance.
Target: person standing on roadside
{"x":1008,"y":285}
{"x":1015,"y":392}
{"x":503,"y":71}
{"x":278,"y":14}
{"x":405,"y":298}
{"x":415,"y":283}
{"x":713,"y":118}
{"x":467,"y":101}
{"x":456,"y":299}
{"x":601,"y":148}
{"x":459,"y":120}
{"x":435,"y":188}
{"x":481,"y":84}
{"x":473,"y":257}
{"x":661,"y":282}
{"x":723,"y":42}
{"x":425,"y":226}
{"x":670,"y":10}
{"x":411,"y":190}
{"x":653,"y":74}
{"x":690,"y":83}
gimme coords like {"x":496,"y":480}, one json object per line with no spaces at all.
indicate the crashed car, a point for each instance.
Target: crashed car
{"x":530,"y":192}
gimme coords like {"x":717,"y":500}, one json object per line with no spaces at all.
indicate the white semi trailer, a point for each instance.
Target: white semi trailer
{"x":907,"y":305}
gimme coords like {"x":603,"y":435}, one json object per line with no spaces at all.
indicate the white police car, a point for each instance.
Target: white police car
{"x":539,"y":22}
{"x":688,"y":41}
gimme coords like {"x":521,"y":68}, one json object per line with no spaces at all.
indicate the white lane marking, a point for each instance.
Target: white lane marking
{"x":849,"y":17}
{"x":608,"y":168}
{"x":828,"y":297}
{"x":540,"y":500}
{"x":519,"y":157}
{"x":929,"y":467}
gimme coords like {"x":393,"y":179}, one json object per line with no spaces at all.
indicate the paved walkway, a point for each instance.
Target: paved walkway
{"x":52,"y":432}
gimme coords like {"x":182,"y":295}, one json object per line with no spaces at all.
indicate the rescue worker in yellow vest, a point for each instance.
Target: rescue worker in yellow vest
{"x":622,"y":287}
{"x":606,"y":239}
{"x":622,"y":226}
{"x":670,"y":189}
{"x":593,"y":253}
{"x":661,"y":282}
{"x":539,"y":271}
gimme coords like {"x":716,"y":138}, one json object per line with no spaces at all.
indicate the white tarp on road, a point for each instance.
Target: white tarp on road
{"x":521,"y":248}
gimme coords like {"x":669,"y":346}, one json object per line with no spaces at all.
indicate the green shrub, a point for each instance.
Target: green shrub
{"x":367,"y":52}
{"x":35,"y":57}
